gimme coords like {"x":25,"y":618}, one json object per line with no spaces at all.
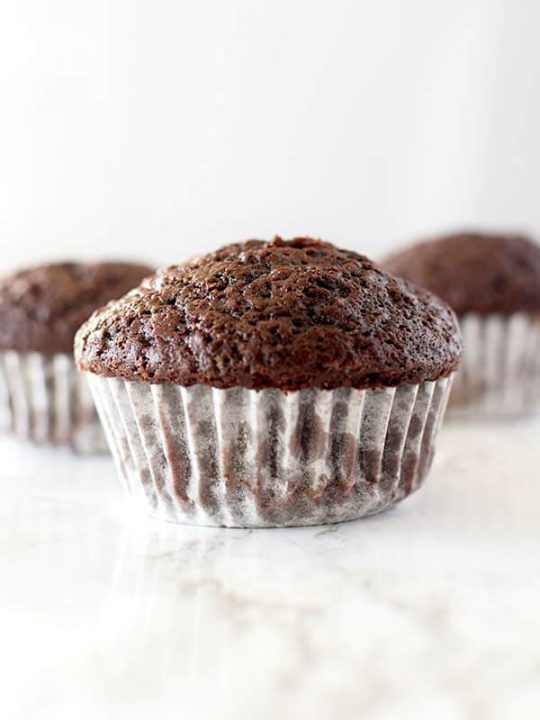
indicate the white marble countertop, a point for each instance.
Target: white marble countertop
{"x":427,"y":611}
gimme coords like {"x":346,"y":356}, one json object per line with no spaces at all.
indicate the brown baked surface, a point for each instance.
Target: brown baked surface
{"x":41,"y":308}
{"x":284,"y":314}
{"x":475,"y":272}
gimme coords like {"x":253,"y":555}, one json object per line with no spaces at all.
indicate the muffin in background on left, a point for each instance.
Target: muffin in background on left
{"x":42,"y":397}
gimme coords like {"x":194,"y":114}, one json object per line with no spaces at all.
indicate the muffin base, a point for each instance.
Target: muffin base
{"x":499,"y":375}
{"x":43,"y":399}
{"x":246,"y":458}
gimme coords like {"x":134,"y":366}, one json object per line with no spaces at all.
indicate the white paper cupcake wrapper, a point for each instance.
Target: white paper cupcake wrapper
{"x":499,"y":374}
{"x":244,"y":458}
{"x":45,"y":400}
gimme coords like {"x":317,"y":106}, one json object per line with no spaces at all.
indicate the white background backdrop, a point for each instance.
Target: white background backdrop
{"x":160,"y":128}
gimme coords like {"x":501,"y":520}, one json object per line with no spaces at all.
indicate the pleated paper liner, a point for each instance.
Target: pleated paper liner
{"x":43,"y":399}
{"x":246,"y":458}
{"x":499,"y":374}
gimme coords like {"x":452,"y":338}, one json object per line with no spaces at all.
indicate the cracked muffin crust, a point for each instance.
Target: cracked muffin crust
{"x":283,"y":314}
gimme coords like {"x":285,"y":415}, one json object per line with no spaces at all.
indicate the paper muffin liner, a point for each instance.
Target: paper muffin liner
{"x":499,"y":374}
{"x":45,"y":400}
{"x":246,"y":458}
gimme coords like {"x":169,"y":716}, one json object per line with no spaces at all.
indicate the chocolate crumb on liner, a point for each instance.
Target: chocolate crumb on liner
{"x":247,"y":458}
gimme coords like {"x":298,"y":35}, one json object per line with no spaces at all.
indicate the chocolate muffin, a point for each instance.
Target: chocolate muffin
{"x":493,"y":284}
{"x":271,"y":383}
{"x":42,"y":397}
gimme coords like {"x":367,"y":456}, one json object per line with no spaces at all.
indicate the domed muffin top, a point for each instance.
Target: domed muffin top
{"x":284,"y":314}
{"x":41,"y":308}
{"x":475,"y":272}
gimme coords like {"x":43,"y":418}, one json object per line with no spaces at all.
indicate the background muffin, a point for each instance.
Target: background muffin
{"x":493,"y":284}
{"x":42,"y":397}
{"x":271,"y":383}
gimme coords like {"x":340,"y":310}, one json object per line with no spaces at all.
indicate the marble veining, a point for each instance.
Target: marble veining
{"x":429,"y":610}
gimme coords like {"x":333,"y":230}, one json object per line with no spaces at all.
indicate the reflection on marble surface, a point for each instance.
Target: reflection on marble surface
{"x":427,"y":611}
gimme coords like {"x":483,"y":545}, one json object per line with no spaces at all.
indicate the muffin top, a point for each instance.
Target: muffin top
{"x":285,"y":314}
{"x":42,"y":307}
{"x":475,"y":272}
